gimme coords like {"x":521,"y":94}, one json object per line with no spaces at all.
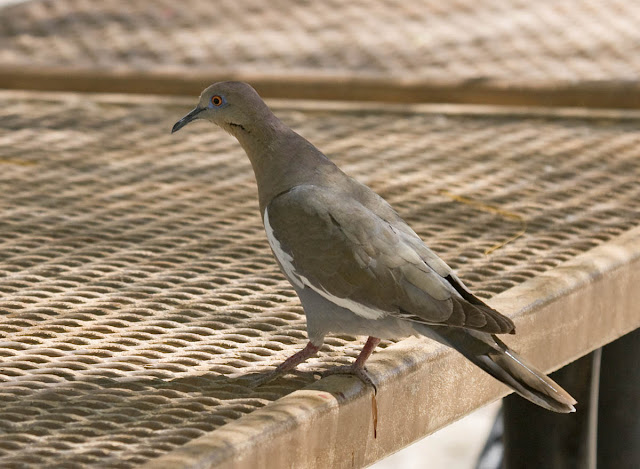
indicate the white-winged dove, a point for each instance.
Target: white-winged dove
{"x":357,"y":267}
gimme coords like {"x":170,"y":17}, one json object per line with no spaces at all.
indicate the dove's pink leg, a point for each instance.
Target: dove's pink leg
{"x":294,"y":360}
{"x":367,"y":350}
{"x":357,"y":368}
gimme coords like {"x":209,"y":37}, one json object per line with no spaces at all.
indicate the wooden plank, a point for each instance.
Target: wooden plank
{"x":595,"y":94}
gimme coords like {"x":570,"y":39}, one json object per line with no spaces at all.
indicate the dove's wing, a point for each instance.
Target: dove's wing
{"x":355,"y":258}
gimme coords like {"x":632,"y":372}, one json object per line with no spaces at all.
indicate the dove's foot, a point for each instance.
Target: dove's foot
{"x":354,"y":370}
{"x":357,"y":369}
{"x":261,"y":380}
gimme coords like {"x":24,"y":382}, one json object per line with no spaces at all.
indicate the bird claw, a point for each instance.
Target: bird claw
{"x":353,"y":370}
{"x":261,"y":380}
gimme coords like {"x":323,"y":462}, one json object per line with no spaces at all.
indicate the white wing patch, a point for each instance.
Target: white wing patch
{"x":284,"y":258}
{"x":286,"y":261}
{"x":353,"y":306}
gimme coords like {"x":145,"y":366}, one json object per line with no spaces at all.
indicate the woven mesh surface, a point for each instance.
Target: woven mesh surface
{"x":515,"y":40}
{"x":137,"y":290}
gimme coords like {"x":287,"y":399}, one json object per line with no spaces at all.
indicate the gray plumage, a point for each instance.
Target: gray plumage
{"x":357,"y":267}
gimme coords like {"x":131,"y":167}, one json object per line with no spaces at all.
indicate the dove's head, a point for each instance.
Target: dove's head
{"x":233,"y":105}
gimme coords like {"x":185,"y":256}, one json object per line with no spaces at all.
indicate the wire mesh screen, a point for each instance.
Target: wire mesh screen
{"x":518,"y":40}
{"x":137,"y":290}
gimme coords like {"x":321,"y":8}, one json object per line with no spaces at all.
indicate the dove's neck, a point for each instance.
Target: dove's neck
{"x":282,"y":159}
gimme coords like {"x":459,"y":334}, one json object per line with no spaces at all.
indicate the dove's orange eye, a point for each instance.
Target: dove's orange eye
{"x":216,"y":100}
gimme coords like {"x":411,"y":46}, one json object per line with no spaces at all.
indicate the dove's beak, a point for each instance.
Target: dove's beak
{"x":193,"y":115}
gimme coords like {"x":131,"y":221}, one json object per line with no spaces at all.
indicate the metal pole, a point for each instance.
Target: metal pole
{"x":619,"y":406}
{"x":537,"y":438}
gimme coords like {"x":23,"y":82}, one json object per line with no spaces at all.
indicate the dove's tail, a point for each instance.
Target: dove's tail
{"x":493,"y":356}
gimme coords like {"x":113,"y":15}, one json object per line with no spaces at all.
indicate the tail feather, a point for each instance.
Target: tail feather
{"x":493,"y":356}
